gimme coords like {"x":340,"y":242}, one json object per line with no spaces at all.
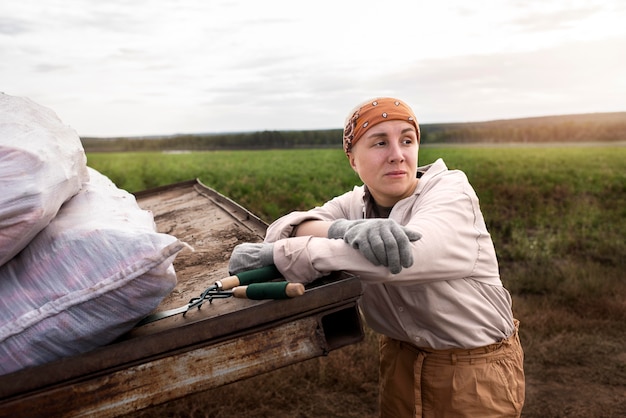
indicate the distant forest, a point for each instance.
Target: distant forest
{"x":593,"y":127}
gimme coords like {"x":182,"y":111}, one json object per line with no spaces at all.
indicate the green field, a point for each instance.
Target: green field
{"x":558,"y":220}
{"x":542,"y":205}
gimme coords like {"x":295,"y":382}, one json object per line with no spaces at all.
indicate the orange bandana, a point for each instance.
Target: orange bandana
{"x":372,"y":113}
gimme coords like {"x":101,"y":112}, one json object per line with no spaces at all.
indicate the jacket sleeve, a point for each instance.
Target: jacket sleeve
{"x":454,"y":245}
{"x":304,"y":259}
{"x":454,"y":236}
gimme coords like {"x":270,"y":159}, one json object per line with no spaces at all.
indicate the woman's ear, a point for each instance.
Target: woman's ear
{"x":352,"y":161}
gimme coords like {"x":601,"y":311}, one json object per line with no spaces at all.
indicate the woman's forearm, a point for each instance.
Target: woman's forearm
{"x":313,"y":228}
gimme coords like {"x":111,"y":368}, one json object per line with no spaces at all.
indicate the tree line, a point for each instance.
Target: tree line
{"x":592,"y":127}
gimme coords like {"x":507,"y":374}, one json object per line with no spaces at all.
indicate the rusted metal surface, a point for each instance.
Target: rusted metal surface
{"x":223,"y":342}
{"x":175,"y":376}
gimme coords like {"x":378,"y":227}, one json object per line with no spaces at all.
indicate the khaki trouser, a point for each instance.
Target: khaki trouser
{"x":424,"y":383}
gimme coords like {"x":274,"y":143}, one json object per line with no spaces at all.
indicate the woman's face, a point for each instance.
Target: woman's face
{"x":385,"y":159}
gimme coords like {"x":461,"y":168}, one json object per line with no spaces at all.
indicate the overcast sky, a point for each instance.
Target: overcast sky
{"x":144,"y":67}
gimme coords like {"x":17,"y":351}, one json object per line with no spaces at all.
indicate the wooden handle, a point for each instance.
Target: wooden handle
{"x":293,"y":290}
{"x":228,"y":283}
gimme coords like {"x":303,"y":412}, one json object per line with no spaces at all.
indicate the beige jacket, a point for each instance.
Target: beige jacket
{"x":451,"y":297}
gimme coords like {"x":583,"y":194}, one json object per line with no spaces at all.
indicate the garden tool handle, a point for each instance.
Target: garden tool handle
{"x":263,"y":274}
{"x":271,"y":290}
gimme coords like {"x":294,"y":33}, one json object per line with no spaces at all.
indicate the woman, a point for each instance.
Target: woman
{"x":416,"y":238}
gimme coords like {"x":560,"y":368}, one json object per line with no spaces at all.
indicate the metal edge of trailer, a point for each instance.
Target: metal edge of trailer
{"x":153,"y":380}
{"x":166,"y":340}
{"x":138,"y":370}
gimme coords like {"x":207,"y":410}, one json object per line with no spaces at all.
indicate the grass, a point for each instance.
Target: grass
{"x":558,"y":219}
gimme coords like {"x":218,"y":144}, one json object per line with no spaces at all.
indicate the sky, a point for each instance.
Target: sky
{"x":160,"y":67}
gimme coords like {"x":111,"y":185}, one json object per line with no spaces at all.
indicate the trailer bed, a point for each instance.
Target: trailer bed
{"x":223,"y":342}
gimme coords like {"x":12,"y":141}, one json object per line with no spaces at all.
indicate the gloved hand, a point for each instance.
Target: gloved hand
{"x":250,"y":256}
{"x":382,"y":241}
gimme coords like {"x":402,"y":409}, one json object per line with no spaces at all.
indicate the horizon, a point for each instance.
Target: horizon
{"x":211,"y":133}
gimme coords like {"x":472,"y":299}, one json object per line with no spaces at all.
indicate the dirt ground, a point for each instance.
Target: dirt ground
{"x":344,"y":385}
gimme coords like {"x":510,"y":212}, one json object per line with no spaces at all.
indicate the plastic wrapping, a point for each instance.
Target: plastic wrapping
{"x":88,"y":277}
{"x":42,"y":164}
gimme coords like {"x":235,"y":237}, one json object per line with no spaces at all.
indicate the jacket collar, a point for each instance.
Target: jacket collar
{"x":424,"y":173}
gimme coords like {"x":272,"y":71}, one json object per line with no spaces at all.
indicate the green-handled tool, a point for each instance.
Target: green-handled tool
{"x":252,"y":284}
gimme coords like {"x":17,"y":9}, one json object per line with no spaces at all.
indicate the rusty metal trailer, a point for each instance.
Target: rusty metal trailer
{"x":223,"y":342}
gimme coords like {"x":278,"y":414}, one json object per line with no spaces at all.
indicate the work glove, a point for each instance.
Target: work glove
{"x":250,"y":256}
{"x":382,"y":241}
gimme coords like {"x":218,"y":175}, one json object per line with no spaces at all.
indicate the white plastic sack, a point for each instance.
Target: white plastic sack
{"x":42,"y":164}
{"x":96,"y":270}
